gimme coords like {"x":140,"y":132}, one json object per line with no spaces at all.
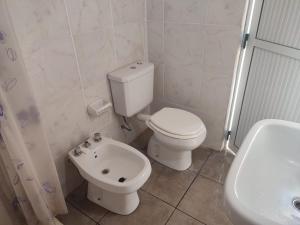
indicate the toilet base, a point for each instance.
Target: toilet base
{"x":123,"y":204}
{"x":175,"y":159}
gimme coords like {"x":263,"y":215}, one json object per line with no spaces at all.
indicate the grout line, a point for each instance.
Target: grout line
{"x":197,"y":174}
{"x":115,"y":63}
{"x":146,"y":50}
{"x":103,"y":216}
{"x":200,"y":24}
{"x":157,"y":198}
{"x":191,"y":216}
{"x":170,"y":216}
{"x":81,"y":211}
{"x":211,"y":179}
{"x":79,"y":72}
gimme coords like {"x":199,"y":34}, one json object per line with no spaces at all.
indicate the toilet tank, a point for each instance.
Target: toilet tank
{"x":132,"y":88}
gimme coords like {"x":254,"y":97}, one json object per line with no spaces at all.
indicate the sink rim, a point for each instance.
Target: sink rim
{"x":237,"y":210}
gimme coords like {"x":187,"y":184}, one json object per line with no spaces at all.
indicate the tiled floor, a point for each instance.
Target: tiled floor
{"x":169,"y":197}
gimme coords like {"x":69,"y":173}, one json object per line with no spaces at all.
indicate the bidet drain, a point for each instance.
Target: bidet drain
{"x":105,"y":171}
{"x":122,"y":179}
{"x":296,"y":203}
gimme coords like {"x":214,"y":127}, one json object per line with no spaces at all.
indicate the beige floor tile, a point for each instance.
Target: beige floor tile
{"x":168,"y":184}
{"x":180,"y":218}
{"x":79,"y":200}
{"x":75,"y":217}
{"x":199,"y":157}
{"x":204,"y":201}
{"x":217,"y":166}
{"x":151,"y":211}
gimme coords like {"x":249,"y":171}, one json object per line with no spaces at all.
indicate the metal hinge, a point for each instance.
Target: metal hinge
{"x":227,"y":135}
{"x":245,"y":40}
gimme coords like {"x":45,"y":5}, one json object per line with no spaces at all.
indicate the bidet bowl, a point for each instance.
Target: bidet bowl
{"x":113,"y":166}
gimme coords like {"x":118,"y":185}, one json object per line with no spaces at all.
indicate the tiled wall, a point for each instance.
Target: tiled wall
{"x":68,"y":47}
{"x":193,"y":44}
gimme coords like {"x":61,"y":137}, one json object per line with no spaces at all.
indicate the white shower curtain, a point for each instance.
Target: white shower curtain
{"x":31,"y":169}
{"x":28,"y":176}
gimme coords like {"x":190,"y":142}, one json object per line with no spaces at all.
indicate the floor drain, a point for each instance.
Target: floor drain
{"x":296,"y":203}
{"x":122,"y":179}
{"x":105,"y":171}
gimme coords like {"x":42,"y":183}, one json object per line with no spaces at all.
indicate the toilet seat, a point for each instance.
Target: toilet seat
{"x":176,"y":123}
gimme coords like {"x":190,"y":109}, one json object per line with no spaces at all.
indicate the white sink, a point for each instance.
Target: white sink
{"x":263,"y":183}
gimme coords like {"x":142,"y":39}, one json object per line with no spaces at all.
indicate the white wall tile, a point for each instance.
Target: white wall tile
{"x":155,"y":10}
{"x":67,"y":123}
{"x":89,"y":15}
{"x":182,"y":86}
{"x":224,"y":12}
{"x":129,"y":42}
{"x":38,"y":19}
{"x":159,"y":74}
{"x":52,"y":66}
{"x":128,"y":11}
{"x":187,"y":11}
{"x":95,"y":53}
{"x":155,"y":41}
{"x":221,"y":47}
{"x":214,"y":94}
{"x":184,"y":46}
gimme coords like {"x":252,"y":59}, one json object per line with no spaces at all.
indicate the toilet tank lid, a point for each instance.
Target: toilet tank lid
{"x":131,"y":72}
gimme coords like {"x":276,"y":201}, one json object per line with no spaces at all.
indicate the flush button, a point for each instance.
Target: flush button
{"x":133,"y":67}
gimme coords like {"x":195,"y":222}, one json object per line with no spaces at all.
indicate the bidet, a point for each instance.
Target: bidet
{"x":114,"y":171}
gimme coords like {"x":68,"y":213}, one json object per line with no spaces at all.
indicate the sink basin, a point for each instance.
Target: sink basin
{"x":263,"y":184}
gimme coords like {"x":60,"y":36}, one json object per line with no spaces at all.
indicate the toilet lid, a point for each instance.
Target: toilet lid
{"x":178,"y":122}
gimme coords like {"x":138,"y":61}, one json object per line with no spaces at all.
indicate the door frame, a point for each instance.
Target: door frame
{"x":244,"y":66}
{"x":243,"y":61}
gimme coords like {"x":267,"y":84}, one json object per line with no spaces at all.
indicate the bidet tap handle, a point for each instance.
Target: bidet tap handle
{"x":77,"y":151}
{"x":97,"y":137}
{"x":86,"y":144}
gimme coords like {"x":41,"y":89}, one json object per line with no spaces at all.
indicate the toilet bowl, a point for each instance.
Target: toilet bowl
{"x":114,"y":171}
{"x":176,"y":133}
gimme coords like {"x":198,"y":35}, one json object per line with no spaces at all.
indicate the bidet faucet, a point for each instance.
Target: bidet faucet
{"x":77,"y":151}
{"x":97,"y":137}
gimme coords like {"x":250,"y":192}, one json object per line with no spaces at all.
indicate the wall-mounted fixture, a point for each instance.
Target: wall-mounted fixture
{"x":98,"y":107}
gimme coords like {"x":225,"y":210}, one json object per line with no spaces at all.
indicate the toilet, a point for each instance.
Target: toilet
{"x":114,"y":171}
{"x":176,"y":132}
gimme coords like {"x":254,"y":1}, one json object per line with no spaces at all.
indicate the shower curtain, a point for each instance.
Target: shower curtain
{"x":30,"y":169}
{"x":28,"y":176}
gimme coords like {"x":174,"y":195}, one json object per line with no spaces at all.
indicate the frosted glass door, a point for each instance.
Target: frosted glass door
{"x":270,"y":82}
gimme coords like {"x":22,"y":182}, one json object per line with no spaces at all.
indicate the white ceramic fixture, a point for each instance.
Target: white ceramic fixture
{"x":263,"y":184}
{"x":114,"y":171}
{"x":176,"y":132}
